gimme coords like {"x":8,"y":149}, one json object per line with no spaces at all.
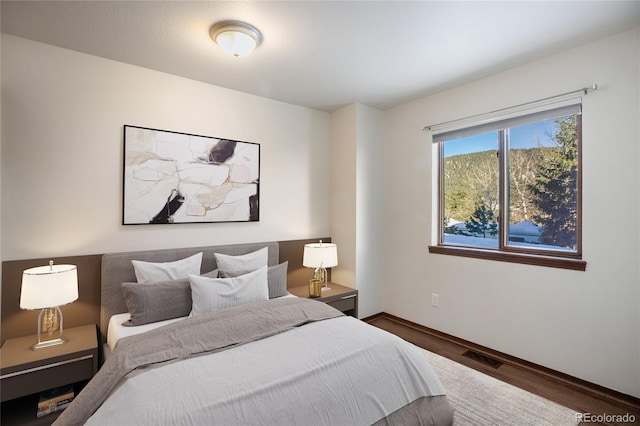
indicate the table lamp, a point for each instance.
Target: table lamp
{"x":320,"y":256}
{"x":47,"y":288}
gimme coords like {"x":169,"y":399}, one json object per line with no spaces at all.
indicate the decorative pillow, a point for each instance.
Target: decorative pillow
{"x":148,"y":272}
{"x":276,"y":279}
{"x":210,"y":294}
{"x":159,"y":301}
{"x":234,"y":266}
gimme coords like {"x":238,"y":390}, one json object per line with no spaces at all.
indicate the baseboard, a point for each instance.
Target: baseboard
{"x":584,"y":386}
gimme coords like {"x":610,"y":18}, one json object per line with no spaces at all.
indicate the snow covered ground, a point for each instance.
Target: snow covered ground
{"x":465,"y":240}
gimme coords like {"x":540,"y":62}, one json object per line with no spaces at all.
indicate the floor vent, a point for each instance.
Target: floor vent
{"x":485,"y":359}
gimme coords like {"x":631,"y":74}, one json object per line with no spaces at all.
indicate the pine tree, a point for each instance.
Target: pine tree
{"x":554,"y":190}
{"x":482,"y":221}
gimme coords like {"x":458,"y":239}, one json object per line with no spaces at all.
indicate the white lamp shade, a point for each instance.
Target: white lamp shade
{"x":320,"y":255}
{"x":49,"y":286}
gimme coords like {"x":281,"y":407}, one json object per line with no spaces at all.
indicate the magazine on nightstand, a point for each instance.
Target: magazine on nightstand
{"x":55,"y":399}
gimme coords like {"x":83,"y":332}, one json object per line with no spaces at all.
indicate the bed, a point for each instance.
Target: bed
{"x":209,"y":335}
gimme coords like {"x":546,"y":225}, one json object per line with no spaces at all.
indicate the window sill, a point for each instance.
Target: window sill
{"x":527,"y":259}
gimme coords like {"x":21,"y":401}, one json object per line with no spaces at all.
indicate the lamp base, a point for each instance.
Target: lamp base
{"x":321,"y":274}
{"x":50,"y":319}
{"x":48,"y":343}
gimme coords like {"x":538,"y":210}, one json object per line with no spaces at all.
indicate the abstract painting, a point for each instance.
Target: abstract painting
{"x":172,"y":177}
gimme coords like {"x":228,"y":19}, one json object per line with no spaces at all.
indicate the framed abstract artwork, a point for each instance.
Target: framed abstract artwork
{"x":172,"y":177}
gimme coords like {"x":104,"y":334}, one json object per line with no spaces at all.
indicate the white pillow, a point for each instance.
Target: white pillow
{"x":210,"y":294}
{"x":233,"y":266}
{"x":148,"y":272}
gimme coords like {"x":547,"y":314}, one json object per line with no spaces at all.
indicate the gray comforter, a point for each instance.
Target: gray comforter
{"x":110,"y":396}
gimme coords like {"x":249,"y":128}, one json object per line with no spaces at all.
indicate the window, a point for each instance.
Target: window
{"x":510,"y":189}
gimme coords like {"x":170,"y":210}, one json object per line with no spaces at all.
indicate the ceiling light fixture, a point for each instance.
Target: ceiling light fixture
{"x":235,"y":37}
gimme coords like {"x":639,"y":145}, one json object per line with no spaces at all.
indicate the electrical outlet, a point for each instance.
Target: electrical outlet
{"x":435,"y":300}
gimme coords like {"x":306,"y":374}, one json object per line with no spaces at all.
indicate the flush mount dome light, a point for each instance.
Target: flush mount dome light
{"x":235,"y":37}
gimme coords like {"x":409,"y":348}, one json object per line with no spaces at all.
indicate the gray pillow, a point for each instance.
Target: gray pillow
{"x":276,"y":279}
{"x":158,"y":301}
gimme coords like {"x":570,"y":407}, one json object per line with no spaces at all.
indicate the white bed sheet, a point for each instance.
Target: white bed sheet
{"x":117,"y":331}
{"x":311,"y":375}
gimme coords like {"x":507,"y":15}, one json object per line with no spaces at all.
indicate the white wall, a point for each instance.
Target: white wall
{"x":357,"y":197}
{"x":370,"y":201}
{"x":62,"y":147}
{"x":581,"y":323}
{"x":343,"y":193}
{"x":1,"y":103}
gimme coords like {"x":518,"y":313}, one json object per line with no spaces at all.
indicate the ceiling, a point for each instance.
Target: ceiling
{"x":325,"y":54}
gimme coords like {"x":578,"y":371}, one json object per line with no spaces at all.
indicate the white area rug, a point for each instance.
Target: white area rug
{"x":479,"y":400}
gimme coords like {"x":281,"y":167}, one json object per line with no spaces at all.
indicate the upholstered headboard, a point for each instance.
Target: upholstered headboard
{"x":117,"y":268}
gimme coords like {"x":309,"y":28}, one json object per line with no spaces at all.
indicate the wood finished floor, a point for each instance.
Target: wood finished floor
{"x":573,"y":394}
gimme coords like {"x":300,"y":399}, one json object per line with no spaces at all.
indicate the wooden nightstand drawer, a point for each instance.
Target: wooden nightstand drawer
{"x":345,"y":304}
{"x":37,"y":379}
{"x":25,"y":371}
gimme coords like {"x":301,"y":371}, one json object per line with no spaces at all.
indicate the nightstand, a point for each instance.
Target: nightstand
{"x":25,"y":372}
{"x":342,"y":298}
